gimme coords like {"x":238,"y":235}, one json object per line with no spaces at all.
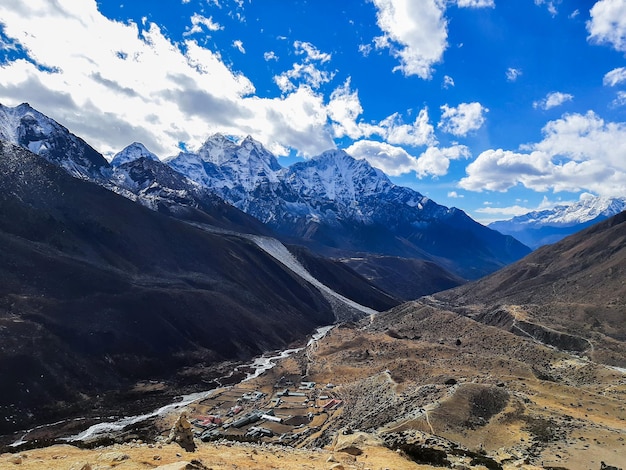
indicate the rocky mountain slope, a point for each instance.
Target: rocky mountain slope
{"x":539,"y":228}
{"x":98,"y":292}
{"x":570,"y":294}
{"x":28,"y":128}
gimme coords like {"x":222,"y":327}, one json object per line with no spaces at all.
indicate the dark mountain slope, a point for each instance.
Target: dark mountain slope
{"x":343,"y":279}
{"x":405,"y":278}
{"x":571,"y":294}
{"x":98,"y":292}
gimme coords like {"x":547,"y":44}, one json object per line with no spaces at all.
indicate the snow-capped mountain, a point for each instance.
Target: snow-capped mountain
{"x":30,"y":129}
{"x":333,"y":203}
{"x":134,"y":151}
{"x":539,"y":228}
{"x":338,"y":204}
{"x":233,"y":168}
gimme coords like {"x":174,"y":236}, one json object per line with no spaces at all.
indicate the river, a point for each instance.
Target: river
{"x":258,"y":366}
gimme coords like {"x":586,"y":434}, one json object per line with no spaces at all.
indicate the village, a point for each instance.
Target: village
{"x":290,"y":413}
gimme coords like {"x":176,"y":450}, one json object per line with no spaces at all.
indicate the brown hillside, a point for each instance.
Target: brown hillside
{"x":571,"y":294}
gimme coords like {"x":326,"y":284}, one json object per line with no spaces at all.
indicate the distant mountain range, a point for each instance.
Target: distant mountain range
{"x":339,"y":206}
{"x":334,"y":204}
{"x":539,"y":228}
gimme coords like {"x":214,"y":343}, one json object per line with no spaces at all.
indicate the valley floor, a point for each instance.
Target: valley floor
{"x":416,"y":388}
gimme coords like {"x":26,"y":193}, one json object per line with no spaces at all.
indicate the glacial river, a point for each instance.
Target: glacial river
{"x":258,"y":366}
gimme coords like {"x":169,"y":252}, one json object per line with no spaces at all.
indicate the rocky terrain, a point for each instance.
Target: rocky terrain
{"x":427,"y":384}
{"x":415,"y":388}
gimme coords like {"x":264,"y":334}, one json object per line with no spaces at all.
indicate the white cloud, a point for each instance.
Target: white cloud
{"x":311,"y":53}
{"x":615,"y":77}
{"x":396,"y":161}
{"x":345,"y":108}
{"x":455,"y":195}
{"x":197,"y":21}
{"x":415,"y":32}
{"x":475,"y":3}
{"x":608,"y":23}
{"x":420,"y":132}
{"x":578,"y":152}
{"x":512,"y":74}
{"x":365,"y":49}
{"x":305,"y":72}
{"x":139,"y":85}
{"x":620,"y":99}
{"x":508,"y":212}
{"x":448,"y":81}
{"x":270,"y":55}
{"x":553,"y":100}
{"x":435,"y":161}
{"x":463,"y":119}
{"x":238,"y":44}
{"x":550,"y":4}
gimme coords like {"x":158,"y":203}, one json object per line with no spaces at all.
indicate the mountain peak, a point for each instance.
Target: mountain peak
{"x":30,"y":129}
{"x":547,"y":226}
{"x":134,"y":151}
{"x":217,"y":149}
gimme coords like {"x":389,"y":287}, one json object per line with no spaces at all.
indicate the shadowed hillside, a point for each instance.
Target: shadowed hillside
{"x":98,"y":292}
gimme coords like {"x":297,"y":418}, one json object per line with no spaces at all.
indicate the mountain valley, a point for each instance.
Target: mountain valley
{"x":127,"y":284}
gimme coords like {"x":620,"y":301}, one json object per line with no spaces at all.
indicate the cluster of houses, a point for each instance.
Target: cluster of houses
{"x":288,"y":415}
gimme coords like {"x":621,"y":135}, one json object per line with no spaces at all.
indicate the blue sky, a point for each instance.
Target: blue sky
{"x":498,"y":107}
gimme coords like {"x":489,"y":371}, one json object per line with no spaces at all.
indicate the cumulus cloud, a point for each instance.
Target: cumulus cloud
{"x":578,"y":152}
{"x":448,"y":81}
{"x":435,"y":161}
{"x":270,"y":55}
{"x":396,"y":161}
{"x":306,"y":72}
{"x":608,"y":24}
{"x":139,"y":85}
{"x":345,"y":108}
{"x":455,"y":195}
{"x":615,"y":77}
{"x":552,"y":100}
{"x":415,"y":32}
{"x":512,"y":74}
{"x":420,"y":132}
{"x":238,"y":44}
{"x":197,"y":21}
{"x":463,"y":119}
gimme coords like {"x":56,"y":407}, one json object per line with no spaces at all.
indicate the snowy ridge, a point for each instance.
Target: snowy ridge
{"x":133,"y":152}
{"x":30,"y":129}
{"x":580,"y":212}
{"x":223,"y":164}
{"x":539,"y":228}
